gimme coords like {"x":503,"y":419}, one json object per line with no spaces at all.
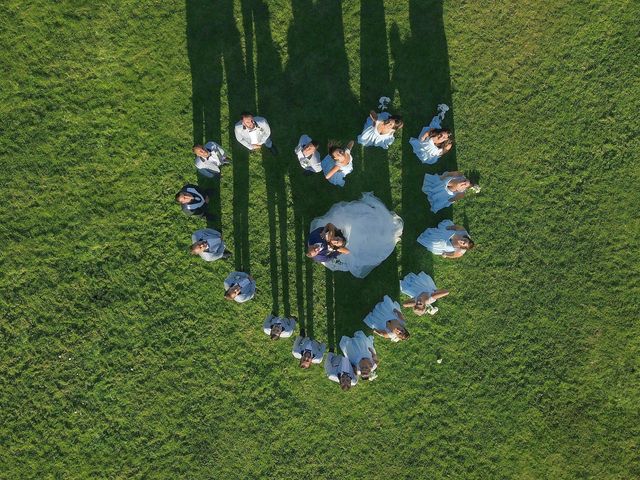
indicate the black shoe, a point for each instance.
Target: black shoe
{"x":226,"y":254}
{"x":332,"y":350}
{"x":273,"y":149}
{"x":302,"y":332}
{"x":226,"y":161}
{"x":308,"y":173}
{"x":210,"y":216}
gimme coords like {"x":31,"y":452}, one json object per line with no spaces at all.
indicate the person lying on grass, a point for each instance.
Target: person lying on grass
{"x":447,"y":240}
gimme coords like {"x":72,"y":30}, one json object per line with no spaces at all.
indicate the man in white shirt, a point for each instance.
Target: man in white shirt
{"x":308,"y":155}
{"x":279,"y":327}
{"x":307,"y":350}
{"x":253,"y":132}
{"x":340,"y":370}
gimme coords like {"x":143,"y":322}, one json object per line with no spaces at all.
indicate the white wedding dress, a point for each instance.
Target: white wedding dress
{"x":371,"y":232}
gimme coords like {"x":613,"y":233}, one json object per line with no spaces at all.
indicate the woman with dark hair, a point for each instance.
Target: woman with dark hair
{"x":366,"y":225}
{"x":339,"y":370}
{"x":387,"y":321}
{"x":433,"y":141}
{"x":209,"y":245}
{"x":326,"y":243}
{"x":423,"y":293}
{"x":360,"y":352}
{"x":443,"y":190}
{"x":379,"y":130}
{"x":308,"y":155}
{"x":307,"y":350}
{"x":447,"y":240}
{"x":338,"y":163}
{"x":239,"y":287}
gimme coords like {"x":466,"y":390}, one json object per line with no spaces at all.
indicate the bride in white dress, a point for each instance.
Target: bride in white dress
{"x":433,"y":141}
{"x":371,"y":232}
{"x":443,"y":190}
{"x":379,"y":130}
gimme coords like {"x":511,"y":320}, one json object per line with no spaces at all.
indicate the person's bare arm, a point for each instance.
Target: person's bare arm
{"x":446,"y":148}
{"x":398,"y":314}
{"x":409,"y":303}
{"x":425,"y":135}
{"x":456,"y":254}
{"x":332,"y":172}
{"x":382,"y":333}
{"x":374,"y":356}
{"x":312,"y":251}
{"x":439,"y":294}
{"x":373,"y":115}
{"x":456,"y":197}
{"x":344,"y":250}
{"x":350,"y":145}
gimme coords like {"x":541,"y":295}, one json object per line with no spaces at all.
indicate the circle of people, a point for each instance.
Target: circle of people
{"x":329,"y":245}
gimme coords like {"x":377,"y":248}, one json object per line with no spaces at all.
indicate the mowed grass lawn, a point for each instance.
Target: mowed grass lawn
{"x":120,"y":359}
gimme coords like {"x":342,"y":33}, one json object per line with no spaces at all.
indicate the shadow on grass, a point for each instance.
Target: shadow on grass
{"x":211,"y":53}
{"x":311,"y":94}
{"x":423,"y":81}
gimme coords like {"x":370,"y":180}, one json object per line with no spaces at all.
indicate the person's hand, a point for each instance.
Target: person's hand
{"x":206,"y":199}
{"x":255,"y":146}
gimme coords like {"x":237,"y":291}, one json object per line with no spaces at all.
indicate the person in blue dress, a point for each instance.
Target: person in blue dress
{"x":379,"y":130}
{"x":423,"y":292}
{"x":338,"y":163}
{"x":326,"y":243}
{"x":443,"y":190}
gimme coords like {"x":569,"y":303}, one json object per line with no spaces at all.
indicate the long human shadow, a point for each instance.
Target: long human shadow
{"x":211,"y":53}
{"x":323,"y":106}
{"x":272,"y":104}
{"x":373,"y":175}
{"x":205,"y":58}
{"x":421,"y":75}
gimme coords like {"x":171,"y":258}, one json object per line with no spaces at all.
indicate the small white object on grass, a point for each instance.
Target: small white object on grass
{"x":439,"y":360}
{"x":384,"y":101}
{"x":442,"y":109}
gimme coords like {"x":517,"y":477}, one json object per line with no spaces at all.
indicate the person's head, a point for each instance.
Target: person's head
{"x":200,"y":151}
{"x":466,"y":183}
{"x":199,"y":247}
{"x":345,"y":381}
{"x":337,"y":152}
{"x":233,"y":292}
{"x":338,"y":240}
{"x":183,"y":197}
{"x":310,"y":148}
{"x":401,"y":332}
{"x":441,"y":137}
{"x":276,"y":330}
{"x":395,"y":121}
{"x":420,"y":307}
{"x":466,"y":243}
{"x":305,"y":360}
{"x":366,"y":366}
{"x":247,"y":119}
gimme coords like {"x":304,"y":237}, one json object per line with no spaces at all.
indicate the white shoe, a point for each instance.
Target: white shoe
{"x":442,"y":109}
{"x":431,"y":310}
{"x":384,"y":101}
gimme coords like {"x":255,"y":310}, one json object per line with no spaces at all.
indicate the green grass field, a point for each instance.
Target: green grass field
{"x":119,"y":357}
